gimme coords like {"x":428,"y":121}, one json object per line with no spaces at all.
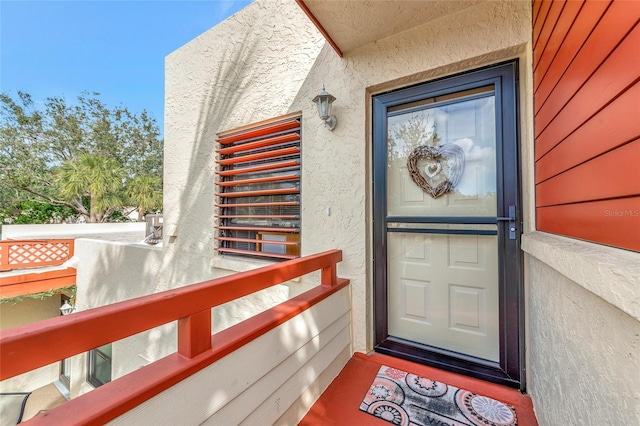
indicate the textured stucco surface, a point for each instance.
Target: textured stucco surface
{"x":220,"y":80}
{"x":584,"y":354}
{"x":240,"y":72}
{"x":211,"y":90}
{"x":607,"y":272}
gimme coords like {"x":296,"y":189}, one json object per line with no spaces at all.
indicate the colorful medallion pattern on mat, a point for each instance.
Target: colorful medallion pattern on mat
{"x":406,"y":399}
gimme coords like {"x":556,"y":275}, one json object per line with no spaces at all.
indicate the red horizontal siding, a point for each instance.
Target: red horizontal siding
{"x":611,"y":222}
{"x":619,"y":72}
{"x":615,"y":174}
{"x":608,"y":129}
{"x":611,"y":30}
{"x":542,"y":16}
{"x":543,"y":58}
{"x":548,"y":28}
{"x":536,"y":10}
{"x":589,"y":15}
{"x":587,"y":120}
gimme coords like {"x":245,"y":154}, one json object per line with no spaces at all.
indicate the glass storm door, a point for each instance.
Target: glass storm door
{"x":446,"y":227}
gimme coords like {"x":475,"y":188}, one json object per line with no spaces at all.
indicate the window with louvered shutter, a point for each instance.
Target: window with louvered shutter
{"x":258,"y":190}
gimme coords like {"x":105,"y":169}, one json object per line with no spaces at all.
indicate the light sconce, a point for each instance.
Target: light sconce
{"x":324,"y":101}
{"x":66,"y":308}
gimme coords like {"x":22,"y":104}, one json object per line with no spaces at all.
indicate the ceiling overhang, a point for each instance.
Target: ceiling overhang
{"x":349,"y":24}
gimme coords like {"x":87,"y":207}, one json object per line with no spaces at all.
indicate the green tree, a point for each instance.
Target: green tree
{"x":94,"y":176}
{"x":35,"y":212}
{"x":145,"y":191}
{"x":81,"y":155}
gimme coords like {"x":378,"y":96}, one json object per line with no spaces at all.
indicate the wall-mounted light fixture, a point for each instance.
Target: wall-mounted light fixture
{"x":66,"y":308}
{"x":324,"y":101}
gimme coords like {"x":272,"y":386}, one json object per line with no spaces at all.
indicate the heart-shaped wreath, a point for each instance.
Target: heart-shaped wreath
{"x":443,"y":167}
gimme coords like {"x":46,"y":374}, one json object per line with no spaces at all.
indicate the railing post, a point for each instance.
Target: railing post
{"x":329,"y":275}
{"x":194,"y":334}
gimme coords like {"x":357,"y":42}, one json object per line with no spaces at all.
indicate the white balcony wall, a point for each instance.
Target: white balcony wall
{"x":267,"y":381}
{"x":72,"y":230}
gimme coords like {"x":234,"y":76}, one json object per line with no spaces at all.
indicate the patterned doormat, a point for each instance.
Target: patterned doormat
{"x":406,"y":399}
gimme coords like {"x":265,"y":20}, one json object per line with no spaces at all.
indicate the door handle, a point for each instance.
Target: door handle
{"x":512,"y":222}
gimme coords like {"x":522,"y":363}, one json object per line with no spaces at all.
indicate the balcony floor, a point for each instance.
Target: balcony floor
{"x":42,"y":399}
{"x":338,"y":405}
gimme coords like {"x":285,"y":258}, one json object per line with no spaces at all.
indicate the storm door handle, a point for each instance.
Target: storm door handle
{"x":512,"y":222}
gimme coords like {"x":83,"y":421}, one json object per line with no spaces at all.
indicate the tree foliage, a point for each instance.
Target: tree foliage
{"x":83,"y":155}
{"x":145,"y":191}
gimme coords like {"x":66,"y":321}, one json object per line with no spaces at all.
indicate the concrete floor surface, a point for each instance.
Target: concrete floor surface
{"x":42,"y":399}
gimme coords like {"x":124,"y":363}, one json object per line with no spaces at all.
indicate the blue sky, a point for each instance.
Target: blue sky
{"x":116,"y":48}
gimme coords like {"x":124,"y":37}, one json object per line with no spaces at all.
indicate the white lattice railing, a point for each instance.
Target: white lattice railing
{"x":16,"y":254}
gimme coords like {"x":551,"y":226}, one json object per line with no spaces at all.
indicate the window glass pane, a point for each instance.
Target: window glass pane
{"x":441,"y":159}
{"x":103,"y":369}
{"x":106,"y":350}
{"x":100,"y":365}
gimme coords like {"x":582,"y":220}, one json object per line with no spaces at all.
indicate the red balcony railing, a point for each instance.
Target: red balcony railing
{"x":191,"y":306}
{"x":16,"y":254}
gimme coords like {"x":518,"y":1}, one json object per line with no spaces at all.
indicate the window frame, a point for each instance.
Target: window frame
{"x":263,"y":160}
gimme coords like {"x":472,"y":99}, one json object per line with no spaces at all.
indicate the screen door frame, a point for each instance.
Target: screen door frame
{"x":509,"y":370}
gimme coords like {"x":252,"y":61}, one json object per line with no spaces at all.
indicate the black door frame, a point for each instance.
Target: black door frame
{"x":510,"y":369}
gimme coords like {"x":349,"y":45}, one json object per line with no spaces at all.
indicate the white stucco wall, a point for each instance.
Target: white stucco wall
{"x":110,"y":272}
{"x":268,"y":60}
{"x":249,"y":68}
{"x":224,"y":79}
{"x":584,"y":333}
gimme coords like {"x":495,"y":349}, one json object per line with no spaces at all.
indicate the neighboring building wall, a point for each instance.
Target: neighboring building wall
{"x":584,"y":298}
{"x":110,"y":272}
{"x":26,"y":311}
{"x":73,"y":230}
